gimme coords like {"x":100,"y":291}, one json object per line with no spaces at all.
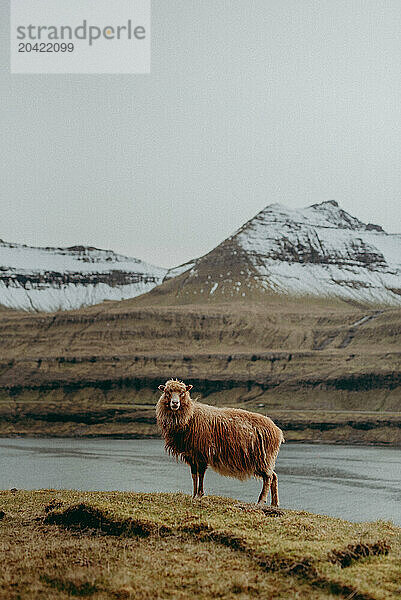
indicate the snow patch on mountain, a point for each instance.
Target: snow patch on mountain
{"x":324,"y":251}
{"x":320,"y":250}
{"x":176,"y":271}
{"x":53,"y":279}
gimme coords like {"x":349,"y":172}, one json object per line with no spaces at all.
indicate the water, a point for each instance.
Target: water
{"x":351,"y":482}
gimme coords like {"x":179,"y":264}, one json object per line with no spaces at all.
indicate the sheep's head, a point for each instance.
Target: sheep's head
{"x":175,"y":394}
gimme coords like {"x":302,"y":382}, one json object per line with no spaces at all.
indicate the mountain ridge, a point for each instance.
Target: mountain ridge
{"x":320,"y":250}
{"x":56,"y":278}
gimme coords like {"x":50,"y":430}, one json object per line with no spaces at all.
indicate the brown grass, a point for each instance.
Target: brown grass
{"x":61,"y":544}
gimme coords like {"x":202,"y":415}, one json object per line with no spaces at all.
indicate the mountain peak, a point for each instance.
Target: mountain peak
{"x":319,"y":250}
{"x":326,"y":203}
{"x":324,"y":214}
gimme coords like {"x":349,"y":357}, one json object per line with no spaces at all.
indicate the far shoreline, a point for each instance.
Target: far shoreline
{"x":102,"y":436}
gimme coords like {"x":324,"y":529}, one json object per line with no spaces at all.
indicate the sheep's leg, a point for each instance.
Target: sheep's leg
{"x":201,"y":470}
{"x":194,"y":472}
{"x":267,"y":479}
{"x":274,"y":490}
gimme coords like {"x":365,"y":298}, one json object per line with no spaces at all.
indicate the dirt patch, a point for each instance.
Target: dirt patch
{"x":205,"y":532}
{"x":53,"y":505}
{"x":72,"y":588}
{"x":352,"y":552}
{"x":268,"y":511}
{"x":276,"y":562}
{"x":85,"y":517}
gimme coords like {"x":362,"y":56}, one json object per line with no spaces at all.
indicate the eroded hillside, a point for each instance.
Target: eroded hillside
{"x":96,"y":371}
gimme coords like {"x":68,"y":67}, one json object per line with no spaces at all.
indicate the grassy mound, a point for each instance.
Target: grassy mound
{"x":62,"y":544}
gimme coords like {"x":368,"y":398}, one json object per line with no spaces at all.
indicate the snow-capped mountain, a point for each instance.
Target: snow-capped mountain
{"x":320,"y":250}
{"x":51,"y":279}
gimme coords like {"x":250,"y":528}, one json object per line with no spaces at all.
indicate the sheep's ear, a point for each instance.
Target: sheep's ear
{"x":162,"y":388}
{"x":189,"y":387}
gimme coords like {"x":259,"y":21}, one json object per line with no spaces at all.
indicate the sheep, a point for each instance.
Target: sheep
{"x":233,"y":442}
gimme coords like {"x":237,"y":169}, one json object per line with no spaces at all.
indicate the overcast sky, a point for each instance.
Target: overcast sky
{"x":249,"y":102}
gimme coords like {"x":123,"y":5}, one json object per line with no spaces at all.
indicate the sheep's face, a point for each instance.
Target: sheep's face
{"x":175,"y":395}
{"x":175,"y":401}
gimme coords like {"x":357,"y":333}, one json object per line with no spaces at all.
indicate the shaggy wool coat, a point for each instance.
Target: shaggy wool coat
{"x":233,"y":442}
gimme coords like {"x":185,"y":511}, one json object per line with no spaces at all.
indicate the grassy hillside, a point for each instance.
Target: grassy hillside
{"x":327,"y":371}
{"x":62,"y":544}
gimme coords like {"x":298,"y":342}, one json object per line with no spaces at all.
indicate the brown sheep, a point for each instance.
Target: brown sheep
{"x":233,"y":442}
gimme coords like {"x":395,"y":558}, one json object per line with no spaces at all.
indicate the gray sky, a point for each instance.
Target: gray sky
{"x":249,"y":102}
